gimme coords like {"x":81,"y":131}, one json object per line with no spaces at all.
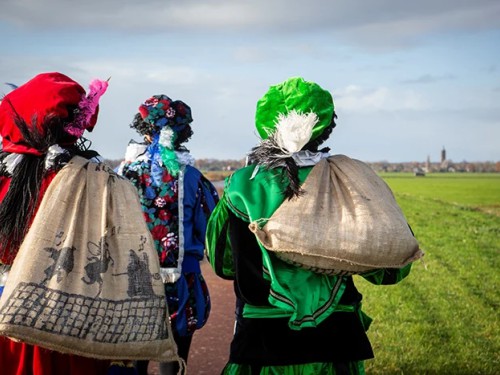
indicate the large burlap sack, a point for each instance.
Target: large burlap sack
{"x":346,"y":222}
{"x":86,"y":280}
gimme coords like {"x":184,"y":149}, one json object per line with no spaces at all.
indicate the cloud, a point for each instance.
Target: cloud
{"x":367,"y":23}
{"x":358,"y":99}
{"x":428,"y":78}
{"x":220,"y":56}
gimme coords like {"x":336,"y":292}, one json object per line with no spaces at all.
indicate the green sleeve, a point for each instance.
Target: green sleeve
{"x":387,"y":276}
{"x":218,"y":246}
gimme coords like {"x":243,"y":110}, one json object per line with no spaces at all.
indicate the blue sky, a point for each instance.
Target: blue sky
{"x":407,"y":78}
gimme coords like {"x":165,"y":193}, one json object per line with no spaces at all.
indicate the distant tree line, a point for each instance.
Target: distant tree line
{"x":201,"y":164}
{"x":382,"y":166}
{"x":447,"y":166}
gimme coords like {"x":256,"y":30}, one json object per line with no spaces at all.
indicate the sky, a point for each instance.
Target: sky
{"x":408,"y":78}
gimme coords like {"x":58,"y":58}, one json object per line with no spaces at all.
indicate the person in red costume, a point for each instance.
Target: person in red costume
{"x":41,"y":125}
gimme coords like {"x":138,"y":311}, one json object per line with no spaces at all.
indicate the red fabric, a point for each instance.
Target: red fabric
{"x":17,"y":358}
{"x":8,"y":256}
{"x":47,"y":94}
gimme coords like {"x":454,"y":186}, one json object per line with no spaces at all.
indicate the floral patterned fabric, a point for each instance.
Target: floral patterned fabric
{"x":178,"y":230}
{"x":161,"y":209}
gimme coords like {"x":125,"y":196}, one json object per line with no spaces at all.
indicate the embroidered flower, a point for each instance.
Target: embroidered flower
{"x":167,"y":177}
{"x":170,"y":241}
{"x":170,"y":112}
{"x":159,"y":232}
{"x":147,"y":217}
{"x":149,"y":192}
{"x":151,"y":101}
{"x":164,"y":215}
{"x":160,"y":202}
{"x":145,"y":179}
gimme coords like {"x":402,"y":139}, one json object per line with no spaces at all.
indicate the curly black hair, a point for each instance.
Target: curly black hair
{"x":142,"y":127}
{"x":146,"y":129}
{"x":315,"y":143}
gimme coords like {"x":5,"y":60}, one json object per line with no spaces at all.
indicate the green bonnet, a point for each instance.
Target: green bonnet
{"x":294,"y":94}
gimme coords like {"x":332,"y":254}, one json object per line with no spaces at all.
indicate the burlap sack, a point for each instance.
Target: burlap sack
{"x":346,"y":222}
{"x":86,"y":279}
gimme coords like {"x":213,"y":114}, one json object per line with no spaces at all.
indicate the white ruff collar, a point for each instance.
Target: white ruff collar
{"x":184,"y":158}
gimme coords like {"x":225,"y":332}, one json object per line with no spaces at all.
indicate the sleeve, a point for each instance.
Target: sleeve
{"x":387,"y":276}
{"x":218,"y":244}
{"x":200,"y":198}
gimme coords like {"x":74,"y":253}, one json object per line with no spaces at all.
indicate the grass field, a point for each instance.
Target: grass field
{"x":444,"y":318}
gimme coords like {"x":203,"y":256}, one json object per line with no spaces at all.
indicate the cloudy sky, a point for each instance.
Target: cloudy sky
{"x":408,"y":78}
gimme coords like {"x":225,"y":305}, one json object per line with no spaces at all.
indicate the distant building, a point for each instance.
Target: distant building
{"x":445,"y":163}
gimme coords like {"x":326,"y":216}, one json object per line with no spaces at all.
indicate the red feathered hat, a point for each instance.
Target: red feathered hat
{"x":45,"y":95}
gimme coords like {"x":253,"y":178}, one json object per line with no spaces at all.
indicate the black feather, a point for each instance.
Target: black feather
{"x":11,"y":85}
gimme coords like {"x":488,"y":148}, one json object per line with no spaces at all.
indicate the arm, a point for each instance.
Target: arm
{"x":200,"y":198}
{"x":387,"y":276}
{"x":218,"y":245}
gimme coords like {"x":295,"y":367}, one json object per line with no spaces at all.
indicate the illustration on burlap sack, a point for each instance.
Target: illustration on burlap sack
{"x":346,"y":222}
{"x":86,"y":279}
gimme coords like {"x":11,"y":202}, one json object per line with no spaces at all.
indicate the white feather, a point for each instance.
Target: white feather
{"x":294,"y":130}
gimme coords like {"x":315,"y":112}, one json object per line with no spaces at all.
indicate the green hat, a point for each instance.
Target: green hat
{"x":294,"y":94}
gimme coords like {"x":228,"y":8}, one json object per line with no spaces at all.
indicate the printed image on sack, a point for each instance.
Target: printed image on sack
{"x":86,"y":279}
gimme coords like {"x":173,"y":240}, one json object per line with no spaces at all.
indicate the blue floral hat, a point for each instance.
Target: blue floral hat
{"x":165,"y":119}
{"x":160,"y":111}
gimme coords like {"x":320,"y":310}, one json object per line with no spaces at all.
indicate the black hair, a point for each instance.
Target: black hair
{"x":142,"y":127}
{"x":315,"y":143}
{"x":22,"y":198}
{"x":183,"y":136}
{"x":146,"y":129}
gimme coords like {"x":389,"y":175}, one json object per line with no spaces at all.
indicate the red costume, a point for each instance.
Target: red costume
{"x":34,"y":117}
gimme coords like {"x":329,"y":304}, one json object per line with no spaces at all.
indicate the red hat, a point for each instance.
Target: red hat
{"x":47,"y":94}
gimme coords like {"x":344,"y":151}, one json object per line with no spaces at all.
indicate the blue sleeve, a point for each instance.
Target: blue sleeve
{"x":200,"y":198}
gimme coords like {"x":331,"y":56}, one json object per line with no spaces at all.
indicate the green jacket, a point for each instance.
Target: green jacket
{"x":305,"y":297}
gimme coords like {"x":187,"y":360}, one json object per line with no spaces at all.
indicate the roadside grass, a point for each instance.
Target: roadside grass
{"x":443,"y":318}
{"x":479,"y":191}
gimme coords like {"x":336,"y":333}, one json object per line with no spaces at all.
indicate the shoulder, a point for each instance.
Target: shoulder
{"x":192,"y":172}
{"x":251,"y":179}
{"x":193,"y":176}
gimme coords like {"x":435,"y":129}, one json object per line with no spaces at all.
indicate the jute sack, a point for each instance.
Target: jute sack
{"x":346,"y":222}
{"x":86,"y":279}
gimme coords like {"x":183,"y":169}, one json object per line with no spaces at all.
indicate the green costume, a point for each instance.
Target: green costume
{"x":304,"y":301}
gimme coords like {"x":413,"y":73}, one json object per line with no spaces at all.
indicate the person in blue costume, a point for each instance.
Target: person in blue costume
{"x":177,"y":201}
{"x":289,"y":319}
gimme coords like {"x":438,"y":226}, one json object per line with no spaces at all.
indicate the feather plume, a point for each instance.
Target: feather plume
{"x":87,"y":107}
{"x":294,"y":130}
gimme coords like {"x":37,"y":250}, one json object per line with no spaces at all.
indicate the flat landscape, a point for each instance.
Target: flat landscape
{"x":442,"y":319}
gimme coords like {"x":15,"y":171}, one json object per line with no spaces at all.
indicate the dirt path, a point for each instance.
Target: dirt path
{"x":210,"y":346}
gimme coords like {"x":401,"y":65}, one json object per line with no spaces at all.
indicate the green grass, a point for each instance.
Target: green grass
{"x":444,"y":318}
{"x":477,"y":190}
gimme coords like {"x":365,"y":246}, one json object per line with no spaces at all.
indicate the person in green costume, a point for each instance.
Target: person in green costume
{"x":289,"y":320}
